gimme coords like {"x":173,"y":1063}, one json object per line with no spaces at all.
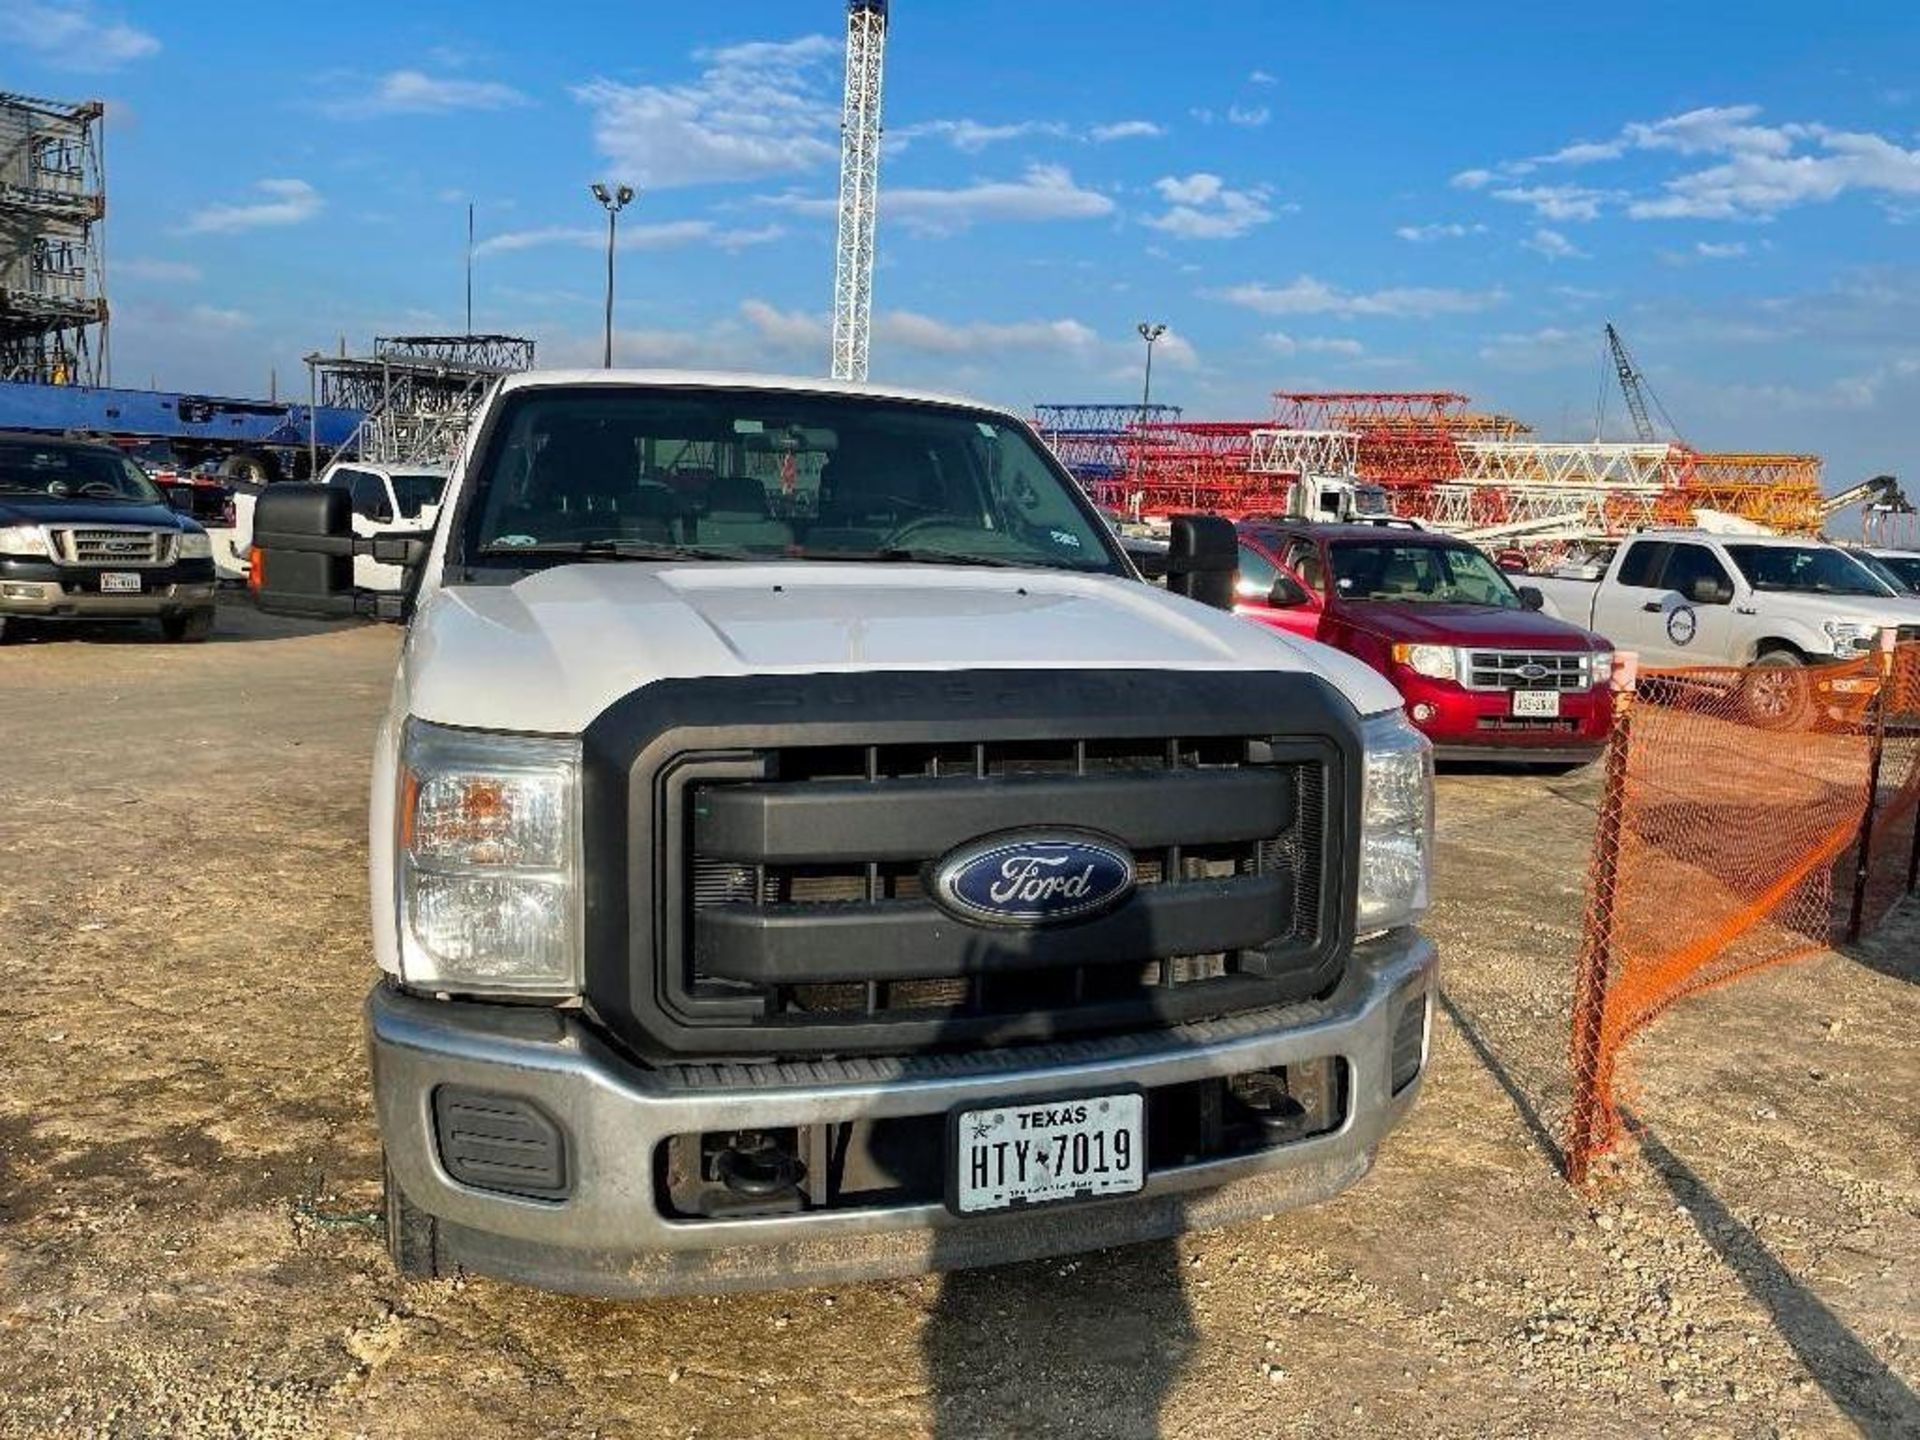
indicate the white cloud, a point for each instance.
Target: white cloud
{"x":1125,"y":130}
{"x":1308,"y":296}
{"x":1453,"y":230}
{"x":288,"y":202}
{"x":1553,"y":245}
{"x":1043,"y":192}
{"x":1557,"y":202}
{"x":1731,"y":250}
{"x":169,"y":272}
{"x":1759,"y":170}
{"x":1250,"y":117}
{"x":633,"y":235}
{"x":70,"y":35}
{"x":785,"y":329}
{"x":1201,"y":207}
{"x":413,"y":92}
{"x":1261,"y":77}
{"x":970,"y":137}
{"x":924,"y":334}
{"x":212,"y":317}
{"x":1551,"y":348}
{"x":758,"y":109}
{"x":1342,"y":346}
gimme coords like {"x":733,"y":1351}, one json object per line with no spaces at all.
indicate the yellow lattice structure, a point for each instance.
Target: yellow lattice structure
{"x":1781,"y":492}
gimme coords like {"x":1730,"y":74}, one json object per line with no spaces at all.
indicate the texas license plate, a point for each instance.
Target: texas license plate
{"x":1536,"y":702}
{"x":1040,"y":1154}
{"x":119,"y":580}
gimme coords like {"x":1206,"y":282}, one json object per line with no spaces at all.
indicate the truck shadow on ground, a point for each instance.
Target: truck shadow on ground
{"x":1092,"y":1342}
{"x":238,"y":623}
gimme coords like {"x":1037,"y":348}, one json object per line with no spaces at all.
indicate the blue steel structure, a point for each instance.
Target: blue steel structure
{"x":199,"y":427}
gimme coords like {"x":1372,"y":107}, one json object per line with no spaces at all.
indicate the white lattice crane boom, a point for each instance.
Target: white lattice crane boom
{"x":859,"y":187}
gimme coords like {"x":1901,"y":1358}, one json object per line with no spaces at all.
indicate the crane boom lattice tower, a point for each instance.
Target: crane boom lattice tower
{"x":52,"y":199}
{"x":859,"y":187}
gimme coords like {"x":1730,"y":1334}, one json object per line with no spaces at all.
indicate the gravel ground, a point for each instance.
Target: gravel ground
{"x":188,"y":1166}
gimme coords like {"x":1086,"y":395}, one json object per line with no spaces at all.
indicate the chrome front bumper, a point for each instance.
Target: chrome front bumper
{"x":49,"y":599}
{"x":610,"y":1237}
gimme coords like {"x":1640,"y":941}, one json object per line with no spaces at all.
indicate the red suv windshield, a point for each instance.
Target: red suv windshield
{"x":1419,"y":573}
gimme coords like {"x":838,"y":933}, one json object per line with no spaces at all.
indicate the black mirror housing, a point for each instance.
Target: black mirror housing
{"x":1531,"y":598}
{"x":304,"y":534}
{"x":1203,"y":559}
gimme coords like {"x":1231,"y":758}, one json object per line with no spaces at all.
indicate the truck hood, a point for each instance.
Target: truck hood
{"x":1883,"y":610}
{"x":1424,"y":624}
{"x":553,"y":650}
{"x":51,"y":510}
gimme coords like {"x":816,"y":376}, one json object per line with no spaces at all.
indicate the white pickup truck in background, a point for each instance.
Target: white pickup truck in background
{"x":387,"y":500}
{"x":1687,"y":597}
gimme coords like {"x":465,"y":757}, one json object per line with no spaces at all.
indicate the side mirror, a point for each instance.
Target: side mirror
{"x":304,"y":545}
{"x":1203,"y":559}
{"x":1709,"y":590}
{"x":1531,"y":598}
{"x":1287,"y":593}
{"x":304,"y":537}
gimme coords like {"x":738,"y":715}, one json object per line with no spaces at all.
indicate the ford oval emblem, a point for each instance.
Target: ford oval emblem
{"x":1532,"y":670}
{"x":1033,"y":877}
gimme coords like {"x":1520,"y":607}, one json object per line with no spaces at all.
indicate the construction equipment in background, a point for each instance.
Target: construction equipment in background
{"x":52,"y":199}
{"x":1090,"y":439}
{"x":859,"y":187}
{"x":1633,"y":386}
{"x":417,"y":392}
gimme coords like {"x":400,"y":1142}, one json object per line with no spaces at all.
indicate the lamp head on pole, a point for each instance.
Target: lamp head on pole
{"x":1150,"y":333}
{"x":600,"y":193}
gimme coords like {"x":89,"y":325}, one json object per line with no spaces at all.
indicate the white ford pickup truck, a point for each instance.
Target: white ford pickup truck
{"x":1688,"y":597}
{"x":803,"y":849}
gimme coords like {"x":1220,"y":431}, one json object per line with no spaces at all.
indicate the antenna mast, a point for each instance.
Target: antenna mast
{"x":859,"y":188}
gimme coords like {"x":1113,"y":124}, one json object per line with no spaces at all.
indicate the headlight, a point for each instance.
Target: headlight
{"x":1396,"y":824}
{"x":1599,"y":667}
{"x":194,"y":545}
{"x":487,"y":862}
{"x":1436,"y":662}
{"x":1850,"y":635}
{"x":23,"y":540}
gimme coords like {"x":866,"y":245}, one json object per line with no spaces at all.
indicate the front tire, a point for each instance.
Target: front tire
{"x":190,"y":628}
{"x":413,"y":1236}
{"x":1775,"y":693}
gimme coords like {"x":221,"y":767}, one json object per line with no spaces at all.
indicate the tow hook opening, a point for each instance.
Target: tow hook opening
{"x":736,"y":1173}
{"x":756,"y":1166}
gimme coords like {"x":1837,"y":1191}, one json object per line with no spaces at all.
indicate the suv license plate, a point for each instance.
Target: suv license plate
{"x":1536,"y":702}
{"x":118,"y":580}
{"x":1079,"y":1148}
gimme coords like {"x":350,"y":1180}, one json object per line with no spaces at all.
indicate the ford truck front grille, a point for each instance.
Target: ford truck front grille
{"x":1525,"y":670}
{"x":762,"y":854}
{"x":108,"y":546}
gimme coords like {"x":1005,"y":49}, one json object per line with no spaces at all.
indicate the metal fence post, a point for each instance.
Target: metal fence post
{"x":1863,"y":849}
{"x":1596,"y":948}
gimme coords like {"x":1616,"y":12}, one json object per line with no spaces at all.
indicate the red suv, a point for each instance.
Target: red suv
{"x":1484,"y":674}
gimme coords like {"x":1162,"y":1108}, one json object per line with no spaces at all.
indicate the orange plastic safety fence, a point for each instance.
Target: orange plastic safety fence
{"x":1732,"y":796}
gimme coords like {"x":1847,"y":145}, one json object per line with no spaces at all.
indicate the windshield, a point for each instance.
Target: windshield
{"x":1903,"y":568}
{"x":753,"y":474}
{"x":411,"y":492}
{"x":71,"y":472}
{"x":1433,"y":574}
{"x":1805,"y":569}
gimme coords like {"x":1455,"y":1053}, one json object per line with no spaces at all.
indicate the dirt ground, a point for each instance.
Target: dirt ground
{"x":188,"y":1164}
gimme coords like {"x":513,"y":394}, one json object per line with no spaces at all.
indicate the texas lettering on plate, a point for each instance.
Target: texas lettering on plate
{"x":1068,"y":1149}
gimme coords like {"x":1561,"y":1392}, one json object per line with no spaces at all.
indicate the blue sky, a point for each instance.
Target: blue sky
{"x":1311,"y":196}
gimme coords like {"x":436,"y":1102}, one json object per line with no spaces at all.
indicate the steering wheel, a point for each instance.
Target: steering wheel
{"x":920,"y":523}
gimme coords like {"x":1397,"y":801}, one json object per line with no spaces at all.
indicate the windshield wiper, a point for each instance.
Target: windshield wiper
{"x":910,"y":555}
{"x":608,"y":549}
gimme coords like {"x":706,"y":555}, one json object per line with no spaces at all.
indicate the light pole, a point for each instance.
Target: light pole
{"x":1149,"y":332}
{"x":613,"y":202}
